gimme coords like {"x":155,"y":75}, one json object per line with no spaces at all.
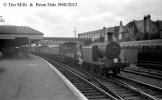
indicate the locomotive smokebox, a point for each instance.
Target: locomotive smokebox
{"x":111,"y":50}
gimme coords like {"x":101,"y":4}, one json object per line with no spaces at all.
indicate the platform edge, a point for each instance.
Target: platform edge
{"x":77,"y":93}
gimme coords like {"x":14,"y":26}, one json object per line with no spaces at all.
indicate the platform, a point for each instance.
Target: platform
{"x":22,"y":78}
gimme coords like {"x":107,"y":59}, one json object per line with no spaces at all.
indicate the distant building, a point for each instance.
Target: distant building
{"x":97,"y":35}
{"x":101,"y":35}
{"x":144,"y":29}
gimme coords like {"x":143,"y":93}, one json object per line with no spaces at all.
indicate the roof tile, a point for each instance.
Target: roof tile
{"x":8,"y":29}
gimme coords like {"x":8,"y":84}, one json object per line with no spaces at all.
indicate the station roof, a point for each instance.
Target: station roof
{"x":18,"y":35}
{"x":11,"y":32}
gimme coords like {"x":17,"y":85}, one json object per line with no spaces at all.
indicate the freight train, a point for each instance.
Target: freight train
{"x":145,"y":53}
{"x":99,"y":58}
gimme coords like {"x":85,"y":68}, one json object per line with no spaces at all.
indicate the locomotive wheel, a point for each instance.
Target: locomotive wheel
{"x":106,"y":72}
{"x":116,"y":71}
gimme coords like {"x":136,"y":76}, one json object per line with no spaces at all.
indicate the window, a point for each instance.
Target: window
{"x":88,"y":35}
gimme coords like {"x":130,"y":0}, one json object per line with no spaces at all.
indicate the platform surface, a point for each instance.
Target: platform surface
{"x":22,"y":78}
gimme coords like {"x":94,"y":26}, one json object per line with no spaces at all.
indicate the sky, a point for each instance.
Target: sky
{"x":85,"y":15}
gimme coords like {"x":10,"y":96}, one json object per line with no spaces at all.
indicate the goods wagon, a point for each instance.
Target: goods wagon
{"x":68,"y":49}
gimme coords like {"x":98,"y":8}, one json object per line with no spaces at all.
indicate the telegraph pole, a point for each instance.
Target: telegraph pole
{"x":75,"y":30}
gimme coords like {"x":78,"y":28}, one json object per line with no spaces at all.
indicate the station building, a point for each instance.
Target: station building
{"x":145,"y":29}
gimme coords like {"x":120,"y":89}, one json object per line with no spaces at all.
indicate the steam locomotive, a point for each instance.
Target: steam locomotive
{"x":103,"y":58}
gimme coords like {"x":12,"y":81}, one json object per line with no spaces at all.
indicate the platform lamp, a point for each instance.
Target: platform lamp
{"x":1,"y":20}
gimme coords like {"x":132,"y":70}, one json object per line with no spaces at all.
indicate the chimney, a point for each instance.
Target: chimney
{"x":121,"y":29}
{"x":148,"y":26}
{"x":145,"y":18}
{"x":104,"y":34}
{"x":148,"y":17}
{"x":104,"y":31}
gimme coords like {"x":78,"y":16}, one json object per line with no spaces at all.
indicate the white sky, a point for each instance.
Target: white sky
{"x":89,"y":15}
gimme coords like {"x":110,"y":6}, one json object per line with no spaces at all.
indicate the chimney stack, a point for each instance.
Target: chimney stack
{"x":148,"y":17}
{"x":104,"y":34}
{"x":121,"y":29}
{"x":145,"y":18}
{"x":104,"y":31}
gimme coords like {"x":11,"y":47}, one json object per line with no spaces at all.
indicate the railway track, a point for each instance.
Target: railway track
{"x":91,"y":91}
{"x":122,"y":90}
{"x":117,"y":88}
{"x":147,"y":89}
{"x":113,"y":88}
{"x":149,"y":64}
{"x":144,"y":72}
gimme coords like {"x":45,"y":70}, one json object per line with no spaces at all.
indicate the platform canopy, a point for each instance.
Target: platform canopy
{"x":18,"y":35}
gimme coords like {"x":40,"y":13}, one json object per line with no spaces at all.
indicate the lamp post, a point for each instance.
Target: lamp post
{"x":1,"y":19}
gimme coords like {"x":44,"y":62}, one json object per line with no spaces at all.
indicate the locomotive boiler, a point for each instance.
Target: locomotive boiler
{"x":103,"y":57}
